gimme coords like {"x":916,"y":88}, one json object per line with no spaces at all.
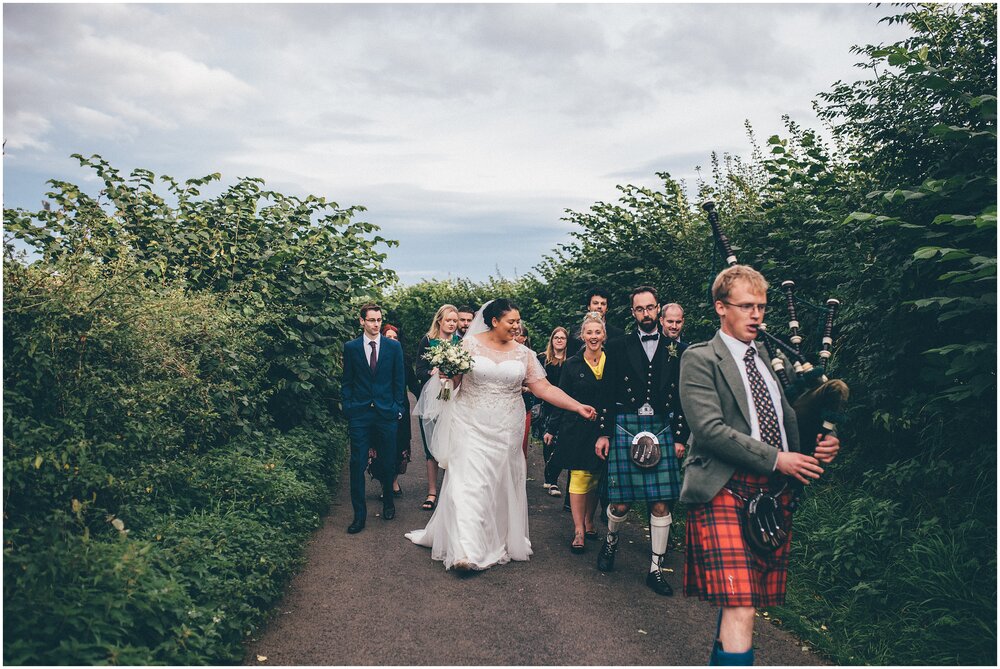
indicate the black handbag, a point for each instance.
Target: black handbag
{"x":645,"y":450}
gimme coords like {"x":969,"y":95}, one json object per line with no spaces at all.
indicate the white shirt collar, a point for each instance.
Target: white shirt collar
{"x":735,"y":346}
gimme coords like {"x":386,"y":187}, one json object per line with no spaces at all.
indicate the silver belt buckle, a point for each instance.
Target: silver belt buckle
{"x":646,"y":410}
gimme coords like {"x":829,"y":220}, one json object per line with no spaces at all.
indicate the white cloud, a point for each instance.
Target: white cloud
{"x":443,"y":120}
{"x":25,"y":130}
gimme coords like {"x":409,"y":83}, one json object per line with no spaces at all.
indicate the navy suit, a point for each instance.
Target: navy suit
{"x":373,"y":403}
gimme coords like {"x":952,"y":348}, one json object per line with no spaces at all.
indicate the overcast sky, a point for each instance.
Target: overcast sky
{"x":466,"y":130}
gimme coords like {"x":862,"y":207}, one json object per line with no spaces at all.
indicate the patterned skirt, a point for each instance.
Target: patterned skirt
{"x":719,"y":567}
{"x":629,"y":483}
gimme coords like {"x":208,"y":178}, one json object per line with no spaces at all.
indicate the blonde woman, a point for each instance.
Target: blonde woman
{"x":582,"y":379}
{"x":444,"y":327}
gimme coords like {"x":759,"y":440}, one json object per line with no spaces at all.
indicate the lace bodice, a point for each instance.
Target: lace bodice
{"x":497,"y":376}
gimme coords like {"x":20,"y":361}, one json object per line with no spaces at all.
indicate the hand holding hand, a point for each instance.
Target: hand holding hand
{"x":827,"y":447}
{"x":802,"y":467}
{"x":601,"y":447}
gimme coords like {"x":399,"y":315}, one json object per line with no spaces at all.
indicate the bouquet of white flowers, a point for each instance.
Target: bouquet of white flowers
{"x":451,"y":359}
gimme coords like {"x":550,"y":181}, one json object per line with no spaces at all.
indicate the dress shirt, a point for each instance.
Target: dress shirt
{"x":648,"y":346}
{"x":738,"y":349}
{"x":378,"y":348}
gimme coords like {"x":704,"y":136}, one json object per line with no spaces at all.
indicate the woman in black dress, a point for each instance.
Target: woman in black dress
{"x":581,"y":379}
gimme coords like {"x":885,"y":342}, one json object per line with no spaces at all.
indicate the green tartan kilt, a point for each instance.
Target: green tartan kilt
{"x":629,"y":483}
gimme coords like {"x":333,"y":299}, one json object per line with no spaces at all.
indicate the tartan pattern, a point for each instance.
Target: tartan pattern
{"x":629,"y":483}
{"x":719,"y":568}
{"x":767,"y":417}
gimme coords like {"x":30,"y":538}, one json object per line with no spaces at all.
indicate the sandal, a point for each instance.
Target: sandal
{"x":429,"y":503}
{"x":590,"y":534}
{"x":577,"y":545}
{"x":397,"y":492}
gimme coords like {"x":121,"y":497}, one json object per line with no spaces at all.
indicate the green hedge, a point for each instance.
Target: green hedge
{"x":196,"y":568}
{"x":170,"y":441}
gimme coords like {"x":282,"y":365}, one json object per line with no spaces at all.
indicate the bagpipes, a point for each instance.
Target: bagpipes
{"x":818,"y":400}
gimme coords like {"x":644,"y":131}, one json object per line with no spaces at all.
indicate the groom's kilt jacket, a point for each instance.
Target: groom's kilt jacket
{"x":632,"y":380}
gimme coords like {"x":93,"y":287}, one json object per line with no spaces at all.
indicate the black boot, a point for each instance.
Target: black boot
{"x":656,"y":581}
{"x":606,"y":558}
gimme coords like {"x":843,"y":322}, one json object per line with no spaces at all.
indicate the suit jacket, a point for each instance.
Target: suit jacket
{"x":384,"y":390}
{"x":632,"y":380}
{"x":575,"y":449}
{"x":716,"y":408}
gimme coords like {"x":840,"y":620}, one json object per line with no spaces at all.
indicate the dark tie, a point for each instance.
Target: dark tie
{"x":770,"y":433}
{"x":371,"y":359}
{"x":651,"y":337}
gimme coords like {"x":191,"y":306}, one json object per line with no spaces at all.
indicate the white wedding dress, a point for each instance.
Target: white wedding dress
{"x":482,"y":511}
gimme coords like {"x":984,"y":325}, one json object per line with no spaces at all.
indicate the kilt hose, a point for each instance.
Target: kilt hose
{"x":629,"y":483}
{"x":719,"y":567}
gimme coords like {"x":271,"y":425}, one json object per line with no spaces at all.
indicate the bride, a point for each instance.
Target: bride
{"x":482,"y":513}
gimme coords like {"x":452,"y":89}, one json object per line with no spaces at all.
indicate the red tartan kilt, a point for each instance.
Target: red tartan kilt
{"x":719,"y":567}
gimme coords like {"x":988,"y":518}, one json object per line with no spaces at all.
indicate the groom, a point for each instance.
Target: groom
{"x":640,"y":378}
{"x":372,"y":390}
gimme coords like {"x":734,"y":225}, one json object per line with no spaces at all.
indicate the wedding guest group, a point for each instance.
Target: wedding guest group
{"x":623,"y":413}
{"x":745,"y":442}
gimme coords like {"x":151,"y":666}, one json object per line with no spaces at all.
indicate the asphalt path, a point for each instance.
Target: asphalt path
{"x":374,"y":598}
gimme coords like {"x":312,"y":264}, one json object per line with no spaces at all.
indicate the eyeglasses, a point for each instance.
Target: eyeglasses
{"x":748,"y":308}
{"x":651,"y":309}
{"x":373,"y":320}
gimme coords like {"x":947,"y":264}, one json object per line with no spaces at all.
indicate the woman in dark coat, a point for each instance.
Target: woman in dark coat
{"x":552,"y":359}
{"x":581,"y":379}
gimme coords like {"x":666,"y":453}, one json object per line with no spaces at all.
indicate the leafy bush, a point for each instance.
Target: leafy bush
{"x":158,"y":489}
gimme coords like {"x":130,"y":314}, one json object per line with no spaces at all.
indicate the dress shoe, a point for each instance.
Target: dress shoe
{"x":606,"y":558}
{"x":658,"y":583}
{"x":388,"y":510}
{"x":357,"y":525}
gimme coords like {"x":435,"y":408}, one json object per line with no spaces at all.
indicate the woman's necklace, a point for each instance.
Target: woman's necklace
{"x":596,"y":358}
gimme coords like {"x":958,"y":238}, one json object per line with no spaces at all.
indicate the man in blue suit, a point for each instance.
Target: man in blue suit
{"x":372,"y":391}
